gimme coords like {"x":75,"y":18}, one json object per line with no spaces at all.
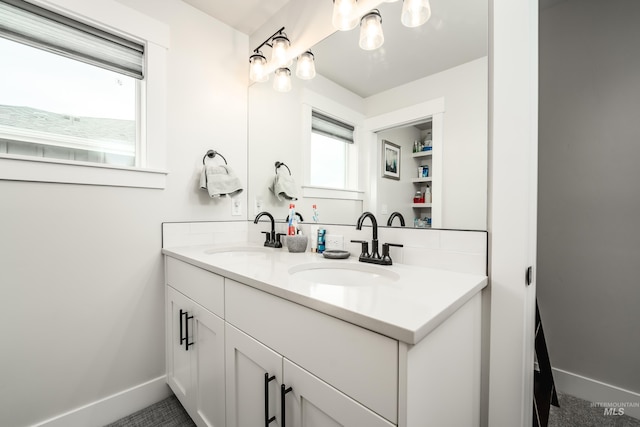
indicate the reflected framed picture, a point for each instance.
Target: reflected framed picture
{"x":390,"y":160}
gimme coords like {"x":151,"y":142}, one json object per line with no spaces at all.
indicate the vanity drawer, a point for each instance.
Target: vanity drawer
{"x":360,"y":363}
{"x":202,"y":286}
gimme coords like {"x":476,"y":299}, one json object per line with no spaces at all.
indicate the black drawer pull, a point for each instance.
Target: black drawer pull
{"x":267,"y":380}
{"x":283,"y":391}
{"x":187,"y":344}
{"x":182,"y":313}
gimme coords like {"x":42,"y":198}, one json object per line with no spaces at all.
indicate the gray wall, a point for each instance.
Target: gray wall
{"x":589,"y":188}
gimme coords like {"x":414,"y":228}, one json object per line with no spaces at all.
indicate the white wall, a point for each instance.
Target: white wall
{"x":80,"y":266}
{"x":464,"y":174}
{"x":589,"y":198}
{"x":513,"y":147}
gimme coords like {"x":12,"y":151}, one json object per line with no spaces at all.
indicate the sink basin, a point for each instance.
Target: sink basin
{"x":343,"y":274}
{"x":239,"y":251}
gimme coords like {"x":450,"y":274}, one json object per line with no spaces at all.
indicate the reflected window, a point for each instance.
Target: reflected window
{"x":331,"y":140}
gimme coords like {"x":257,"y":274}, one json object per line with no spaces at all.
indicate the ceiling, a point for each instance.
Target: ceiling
{"x":245,"y":16}
{"x":455,"y":34}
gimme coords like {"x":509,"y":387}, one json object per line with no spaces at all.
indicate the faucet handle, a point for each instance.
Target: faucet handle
{"x":385,"y":251}
{"x":277,"y":242}
{"x":365,"y":248}
{"x":267,"y":237}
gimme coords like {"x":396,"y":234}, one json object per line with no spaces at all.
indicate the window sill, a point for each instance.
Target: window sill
{"x":20,"y":168}
{"x":332,"y":193}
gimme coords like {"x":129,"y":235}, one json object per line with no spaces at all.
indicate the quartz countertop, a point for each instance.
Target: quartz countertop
{"x":406,"y":308}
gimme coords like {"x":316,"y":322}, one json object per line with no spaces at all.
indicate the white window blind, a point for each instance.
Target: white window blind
{"x":331,"y":127}
{"x":41,"y":28}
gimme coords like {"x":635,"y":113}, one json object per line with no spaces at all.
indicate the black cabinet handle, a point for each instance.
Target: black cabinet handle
{"x":182,"y":313}
{"x":187,"y":344}
{"x":283,"y":391}
{"x":267,"y":420}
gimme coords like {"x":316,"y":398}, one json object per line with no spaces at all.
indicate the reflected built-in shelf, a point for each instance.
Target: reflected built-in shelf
{"x":422,"y":153}
{"x":421,"y":205}
{"x":425,"y":179}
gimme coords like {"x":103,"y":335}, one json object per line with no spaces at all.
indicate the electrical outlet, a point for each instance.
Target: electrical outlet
{"x":236,"y":207}
{"x":334,"y":242}
{"x":257,"y":206}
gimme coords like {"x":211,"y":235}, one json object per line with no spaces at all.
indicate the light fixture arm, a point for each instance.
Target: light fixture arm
{"x":280,"y":32}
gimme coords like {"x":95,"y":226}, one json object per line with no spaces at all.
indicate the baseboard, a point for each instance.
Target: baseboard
{"x":608,"y":396}
{"x":114,"y":407}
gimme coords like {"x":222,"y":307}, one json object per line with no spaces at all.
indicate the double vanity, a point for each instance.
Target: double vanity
{"x":260,"y":336}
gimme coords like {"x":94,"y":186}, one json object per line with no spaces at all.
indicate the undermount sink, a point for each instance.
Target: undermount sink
{"x":239,"y":251}
{"x":343,"y":274}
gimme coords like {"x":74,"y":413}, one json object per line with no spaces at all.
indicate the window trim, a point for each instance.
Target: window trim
{"x":313,"y":101}
{"x":119,"y":19}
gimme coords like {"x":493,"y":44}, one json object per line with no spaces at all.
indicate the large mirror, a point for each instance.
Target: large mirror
{"x":418,"y":109}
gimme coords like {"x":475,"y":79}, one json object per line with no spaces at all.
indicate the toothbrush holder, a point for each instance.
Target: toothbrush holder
{"x":297,"y":243}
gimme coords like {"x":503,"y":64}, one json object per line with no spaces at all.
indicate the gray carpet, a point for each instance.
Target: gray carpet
{"x":166,"y":413}
{"x":573,"y":412}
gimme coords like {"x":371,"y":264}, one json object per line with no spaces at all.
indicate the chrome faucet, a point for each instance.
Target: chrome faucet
{"x":373,"y":257}
{"x":393,"y":216}
{"x":272,"y":239}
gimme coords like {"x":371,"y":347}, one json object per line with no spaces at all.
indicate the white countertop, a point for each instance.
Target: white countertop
{"x":406,"y":308}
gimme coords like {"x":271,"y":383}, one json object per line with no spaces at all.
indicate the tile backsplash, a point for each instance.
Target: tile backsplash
{"x":454,"y":250}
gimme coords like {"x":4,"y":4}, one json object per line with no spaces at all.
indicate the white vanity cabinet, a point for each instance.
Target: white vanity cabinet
{"x":334,"y":373}
{"x":258,"y":379}
{"x":311,"y":402}
{"x":194,"y":345}
{"x":254,"y":375}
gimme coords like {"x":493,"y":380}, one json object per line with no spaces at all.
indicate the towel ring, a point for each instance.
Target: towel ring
{"x":278,"y":164}
{"x":211,"y":154}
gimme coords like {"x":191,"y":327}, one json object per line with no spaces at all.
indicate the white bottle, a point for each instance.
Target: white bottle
{"x":427,"y":195}
{"x":314,"y":238}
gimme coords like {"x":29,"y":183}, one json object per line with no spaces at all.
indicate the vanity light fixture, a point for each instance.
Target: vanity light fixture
{"x":258,"y":67}
{"x":280,"y":61}
{"x":282,"y":80}
{"x":305,"y":67}
{"x":371,"y":36}
{"x":415,"y":12}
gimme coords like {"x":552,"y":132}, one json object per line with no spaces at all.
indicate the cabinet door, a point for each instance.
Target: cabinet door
{"x":314,"y":403}
{"x":178,"y":360}
{"x":247,"y":363}
{"x":207,"y":368}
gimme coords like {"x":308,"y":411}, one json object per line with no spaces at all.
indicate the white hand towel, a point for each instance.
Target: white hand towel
{"x":220,"y":180}
{"x":284,"y":187}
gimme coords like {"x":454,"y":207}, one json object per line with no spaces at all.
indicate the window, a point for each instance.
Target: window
{"x":80,"y":95}
{"x":329,"y":149}
{"x":77,"y":103}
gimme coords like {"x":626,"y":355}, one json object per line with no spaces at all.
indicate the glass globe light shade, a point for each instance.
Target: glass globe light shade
{"x":371,"y":36}
{"x":258,"y":68}
{"x":280,"y":52}
{"x":305,"y":68}
{"x":282,"y":80}
{"x":415,"y":12}
{"x":343,"y":18}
